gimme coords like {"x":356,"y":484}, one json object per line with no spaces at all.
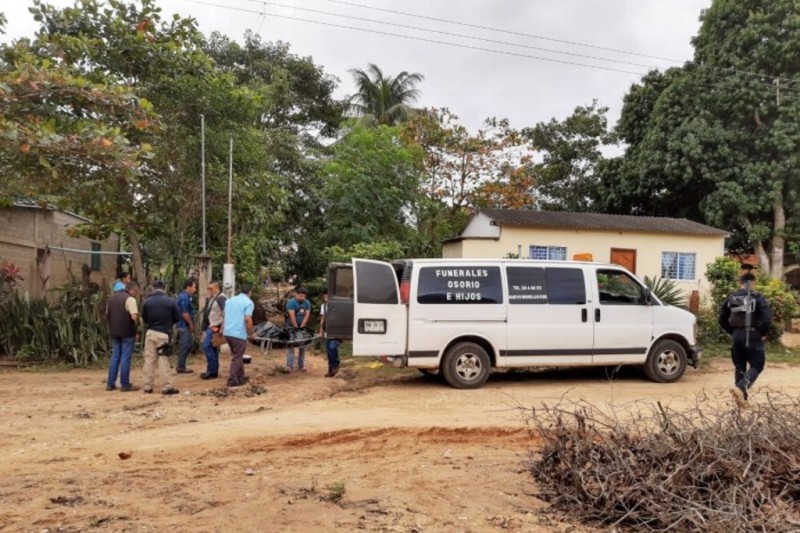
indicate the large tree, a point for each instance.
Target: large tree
{"x":567,"y":175}
{"x":371,"y":186}
{"x":116,"y":43}
{"x":465,"y":170}
{"x":381,"y":98}
{"x":722,"y":132}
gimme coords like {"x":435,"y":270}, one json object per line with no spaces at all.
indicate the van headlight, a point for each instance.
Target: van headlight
{"x":696,"y":331}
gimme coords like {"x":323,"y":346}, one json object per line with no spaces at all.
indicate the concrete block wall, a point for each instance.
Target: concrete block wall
{"x":23,"y":231}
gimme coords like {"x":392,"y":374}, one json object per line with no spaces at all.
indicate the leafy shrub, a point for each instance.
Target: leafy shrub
{"x":73,"y":329}
{"x":708,"y":331}
{"x":10,"y":275}
{"x":666,"y":290}
{"x":723,"y":274}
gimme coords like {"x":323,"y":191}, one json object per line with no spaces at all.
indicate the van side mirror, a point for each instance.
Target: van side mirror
{"x":648,"y":296}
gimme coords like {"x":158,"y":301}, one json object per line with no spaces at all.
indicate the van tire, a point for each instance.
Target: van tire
{"x":666,"y":362}
{"x":466,"y":366}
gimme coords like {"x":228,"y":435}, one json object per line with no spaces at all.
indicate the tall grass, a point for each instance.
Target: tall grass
{"x":71,"y":329}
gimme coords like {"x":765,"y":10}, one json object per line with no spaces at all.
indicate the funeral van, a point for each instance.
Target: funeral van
{"x":464,"y":317}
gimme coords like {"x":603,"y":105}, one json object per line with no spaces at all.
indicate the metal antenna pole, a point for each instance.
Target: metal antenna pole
{"x":203,"y":174}
{"x":230,"y":198}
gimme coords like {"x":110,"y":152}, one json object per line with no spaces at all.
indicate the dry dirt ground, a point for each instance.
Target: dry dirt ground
{"x":373,"y":449}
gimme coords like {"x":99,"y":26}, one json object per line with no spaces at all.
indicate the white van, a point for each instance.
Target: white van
{"x":464,"y":317}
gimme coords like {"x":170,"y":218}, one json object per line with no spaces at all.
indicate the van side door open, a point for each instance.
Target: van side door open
{"x":380,"y":319}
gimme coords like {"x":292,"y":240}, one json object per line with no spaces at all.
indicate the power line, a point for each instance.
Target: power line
{"x":452,"y":34}
{"x":715,"y":71}
{"x":421,"y":39}
{"x":501,"y":30}
{"x":541,"y":37}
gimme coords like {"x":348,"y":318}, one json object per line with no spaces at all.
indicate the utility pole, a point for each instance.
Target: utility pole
{"x":230,"y":198}
{"x":204,"y":260}
{"x":229,"y":272}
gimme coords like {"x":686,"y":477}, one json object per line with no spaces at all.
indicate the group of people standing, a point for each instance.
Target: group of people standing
{"x":225,"y":320}
{"x":228,"y":319}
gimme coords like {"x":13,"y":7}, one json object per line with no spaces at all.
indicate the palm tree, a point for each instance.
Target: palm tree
{"x":382,"y":99}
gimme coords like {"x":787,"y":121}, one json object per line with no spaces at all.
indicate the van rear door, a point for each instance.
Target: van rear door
{"x":380,"y":319}
{"x":339,"y":314}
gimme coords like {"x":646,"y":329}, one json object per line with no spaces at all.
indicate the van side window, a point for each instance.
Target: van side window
{"x":565,"y":286}
{"x":376,"y":283}
{"x":460,"y":285}
{"x":618,"y":288}
{"x":526,"y":285}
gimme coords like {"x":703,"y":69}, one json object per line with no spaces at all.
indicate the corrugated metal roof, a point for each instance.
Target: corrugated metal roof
{"x":599,"y":221}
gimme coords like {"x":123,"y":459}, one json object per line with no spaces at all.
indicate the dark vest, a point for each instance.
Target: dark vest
{"x":120,"y":323}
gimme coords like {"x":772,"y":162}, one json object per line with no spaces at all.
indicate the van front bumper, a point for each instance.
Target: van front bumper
{"x":695,"y":353}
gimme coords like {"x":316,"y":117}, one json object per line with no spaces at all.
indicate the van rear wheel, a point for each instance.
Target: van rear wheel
{"x":666,"y":362}
{"x":466,"y":366}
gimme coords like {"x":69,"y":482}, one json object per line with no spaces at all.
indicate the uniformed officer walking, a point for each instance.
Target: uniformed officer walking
{"x":746,"y":315}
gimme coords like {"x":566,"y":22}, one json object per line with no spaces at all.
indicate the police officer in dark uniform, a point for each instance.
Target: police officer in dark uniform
{"x":746,"y":315}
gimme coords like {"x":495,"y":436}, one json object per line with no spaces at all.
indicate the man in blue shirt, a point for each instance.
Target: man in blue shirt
{"x":299,"y":312}
{"x":122,"y":281}
{"x":237,"y":327}
{"x":186,"y":324}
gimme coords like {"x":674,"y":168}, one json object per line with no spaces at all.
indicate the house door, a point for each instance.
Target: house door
{"x":624,"y":258}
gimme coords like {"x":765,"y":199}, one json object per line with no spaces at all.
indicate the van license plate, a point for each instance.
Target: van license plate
{"x":372,"y":326}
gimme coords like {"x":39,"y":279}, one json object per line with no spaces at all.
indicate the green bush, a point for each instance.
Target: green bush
{"x":723,"y":274}
{"x":73,"y":329}
{"x":708,"y":331}
{"x":666,"y":290}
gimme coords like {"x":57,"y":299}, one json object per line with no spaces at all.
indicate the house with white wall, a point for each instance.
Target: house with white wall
{"x":672,"y":248}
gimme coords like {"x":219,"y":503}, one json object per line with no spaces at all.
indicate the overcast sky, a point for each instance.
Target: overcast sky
{"x":473,"y":83}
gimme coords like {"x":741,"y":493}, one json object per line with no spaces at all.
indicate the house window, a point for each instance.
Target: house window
{"x":551,"y":253}
{"x":96,"y":257}
{"x":678,"y":265}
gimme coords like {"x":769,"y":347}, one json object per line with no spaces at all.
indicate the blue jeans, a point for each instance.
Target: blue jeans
{"x":212,"y":354}
{"x":120,"y":364}
{"x":185,"y":342}
{"x":301,"y":359}
{"x":332,"y":347}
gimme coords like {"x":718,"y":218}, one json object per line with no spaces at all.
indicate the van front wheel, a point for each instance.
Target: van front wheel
{"x":666,"y":362}
{"x":466,"y":366}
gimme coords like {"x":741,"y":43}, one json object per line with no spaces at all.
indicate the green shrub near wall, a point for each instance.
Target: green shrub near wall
{"x":72,"y":329}
{"x":723,"y":274}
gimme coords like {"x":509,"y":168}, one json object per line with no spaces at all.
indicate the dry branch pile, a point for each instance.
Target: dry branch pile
{"x":709,"y":469}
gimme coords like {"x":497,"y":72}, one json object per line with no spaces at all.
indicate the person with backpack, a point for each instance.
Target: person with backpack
{"x":747,"y":317}
{"x":298,"y":313}
{"x":212,"y":319}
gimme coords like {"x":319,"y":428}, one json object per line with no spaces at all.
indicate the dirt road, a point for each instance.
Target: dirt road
{"x":371,"y":450}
